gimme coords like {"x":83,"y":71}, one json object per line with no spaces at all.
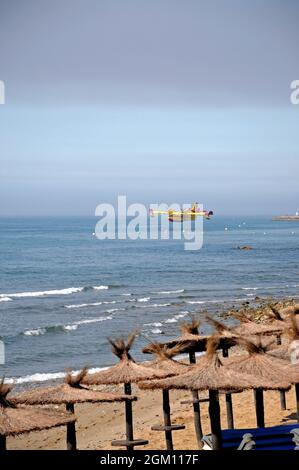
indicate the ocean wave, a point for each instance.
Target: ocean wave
{"x":4,"y":298}
{"x":60,"y":328}
{"x":195,"y":301}
{"x":176,"y":317}
{"x":90,"y":320}
{"x":156,"y":305}
{"x":113,"y":310}
{"x":157,"y":323}
{"x":250,"y":288}
{"x":70,"y":327}
{"x":45,"y":377}
{"x":66,"y":291}
{"x":143,"y":299}
{"x":178,"y":291}
{"x":36,"y":332}
{"x":92,"y":304}
{"x":181,"y":315}
{"x":156,"y":331}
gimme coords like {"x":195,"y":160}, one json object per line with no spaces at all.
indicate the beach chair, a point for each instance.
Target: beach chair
{"x":284,"y":437}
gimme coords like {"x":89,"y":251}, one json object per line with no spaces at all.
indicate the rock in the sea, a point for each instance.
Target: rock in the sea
{"x":244,"y":247}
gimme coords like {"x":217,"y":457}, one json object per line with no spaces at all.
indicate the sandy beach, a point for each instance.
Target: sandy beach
{"x":97,"y":424}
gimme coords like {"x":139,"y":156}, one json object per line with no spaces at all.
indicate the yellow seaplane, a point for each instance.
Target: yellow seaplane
{"x":186,"y":214}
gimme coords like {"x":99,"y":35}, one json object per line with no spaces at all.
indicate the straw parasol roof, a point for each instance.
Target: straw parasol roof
{"x":164,"y":361}
{"x":192,"y":340}
{"x":71,"y":391}
{"x":262,"y":366}
{"x":281,"y":313}
{"x":284,"y":351}
{"x":127,"y":370}
{"x":16,"y":420}
{"x":248,"y":327}
{"x":209,"y":374}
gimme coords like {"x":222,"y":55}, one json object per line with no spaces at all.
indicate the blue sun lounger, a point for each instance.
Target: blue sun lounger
{"x":285,"y":437}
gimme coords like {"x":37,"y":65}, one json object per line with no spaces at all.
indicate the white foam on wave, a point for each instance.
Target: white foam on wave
{"x":126,"y":294}
{"x":159,"y":305}
{"x":181,"y":315}
{"x":157,"y":323}
{"x":218,"y":301}
{"x":176,"y":317}
{"x":89,"y":320}
{"x":178,"y":291}
{"x":69,"y":290}
{"x":92,"y":304}
{"x":249,"y":288}
{"x":70,"y":327}
{"x":66,"y":291}
{"x":4,"y":298}
{"x":45,"y":377}
{"x":112,"y":310}
{"x":155,"y":305}
{"x":35,"y":332}
{"x":156,"y":331}
{"x":143,"y":299}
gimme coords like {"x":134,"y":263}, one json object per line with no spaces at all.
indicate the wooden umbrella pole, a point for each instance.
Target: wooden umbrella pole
{"x":297,"y":400}
{"x":229,"y":411}
{"x":71,"y":440}
{"x":259,"y":408}
{"x":2,"y":442}
{"x":228,"y":401}
{"x":196,"y":407}
{"x":167,"y":420}
{"x":283,"y":403}
{"x":214,"y":412}
{"x":129,"y":416}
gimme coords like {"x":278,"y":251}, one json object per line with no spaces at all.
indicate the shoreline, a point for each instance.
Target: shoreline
{"x":256,"y":309}
{"x":97,"y":425}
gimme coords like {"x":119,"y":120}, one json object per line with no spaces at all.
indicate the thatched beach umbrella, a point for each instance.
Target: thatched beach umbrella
{"x":164,"y":361}
{"x":15,"y":420}
{"x":263,"y":367}
{"x":224,"y":331}
{"x":250,"y":328}
{"x":290,"y":352}
{"x":126,"y":372}
{"x":209,"y":375}
{"x":193,"y":342}
{"x":69,"y":393}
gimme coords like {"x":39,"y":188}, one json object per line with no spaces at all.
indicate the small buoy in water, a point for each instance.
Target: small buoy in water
{"x":93,"y":234}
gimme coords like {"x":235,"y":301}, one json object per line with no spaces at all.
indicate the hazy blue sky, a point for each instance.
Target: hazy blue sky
{"x":162,"y":100}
